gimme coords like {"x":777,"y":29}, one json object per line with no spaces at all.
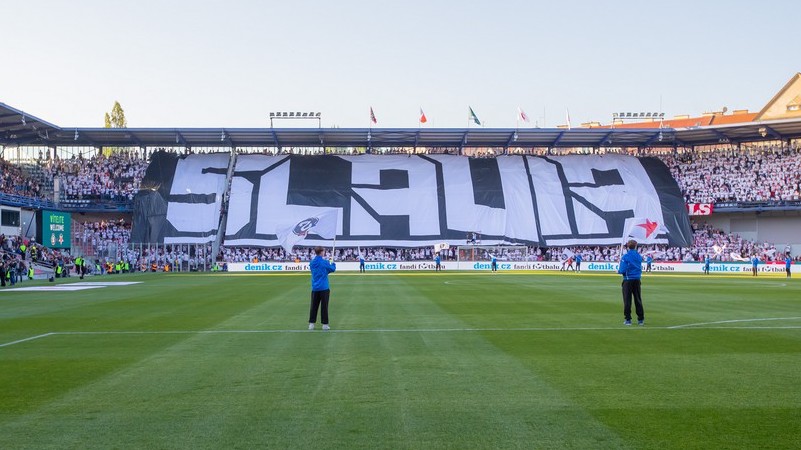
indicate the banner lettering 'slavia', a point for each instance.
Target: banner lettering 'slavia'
{"x":411,"y":201}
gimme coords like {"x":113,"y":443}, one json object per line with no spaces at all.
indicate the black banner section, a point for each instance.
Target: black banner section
{"x":674,"y":212}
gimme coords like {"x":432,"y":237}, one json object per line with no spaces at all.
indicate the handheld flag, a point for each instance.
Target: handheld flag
{"x":642,"y":229}
{"x":372,"y":116}
{"x":323,"y":224}
{"x":737,"y":257}
{"x":423,"y":118}
{"x":474,"y":117}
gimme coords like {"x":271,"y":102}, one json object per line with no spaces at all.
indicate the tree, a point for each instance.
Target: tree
{"x":116,"y":119}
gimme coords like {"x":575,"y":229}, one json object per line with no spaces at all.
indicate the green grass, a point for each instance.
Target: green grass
{"x":424,"y":360}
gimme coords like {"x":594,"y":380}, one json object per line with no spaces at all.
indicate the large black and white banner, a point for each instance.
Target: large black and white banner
{"x":422,"y":200}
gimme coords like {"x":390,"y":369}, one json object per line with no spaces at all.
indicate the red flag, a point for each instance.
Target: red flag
{"x":423,"y":116}
{"x":521,"y":115}
{"x":372,"y":116}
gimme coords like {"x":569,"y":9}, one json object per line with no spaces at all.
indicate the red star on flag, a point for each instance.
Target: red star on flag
{"x":649,"y":227}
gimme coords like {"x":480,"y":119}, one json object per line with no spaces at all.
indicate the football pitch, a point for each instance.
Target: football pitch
{"x":413,"y":361}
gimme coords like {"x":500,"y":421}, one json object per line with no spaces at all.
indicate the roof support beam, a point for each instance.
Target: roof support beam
{"x":652,"y":139}
{"x":605,"y":139}
{"x":275,"y":139}
{"x":558,"y":139}
{"x":774,"y":132}
{"x":179,"y":139}
{"x":512,"y":138}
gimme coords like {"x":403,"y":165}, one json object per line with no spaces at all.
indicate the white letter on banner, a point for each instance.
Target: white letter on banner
{"x":521,"y":220}
{"x":636,"y":193}
{"x":239,"y":204}
{"x":462,"y":211}
{"x":189,"y":179}
{"x":419,"y":201}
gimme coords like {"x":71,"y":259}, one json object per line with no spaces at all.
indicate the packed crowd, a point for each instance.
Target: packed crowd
{"x":116,"y":177}
{"x":759,"y":174}
{"x":13,"y":181}
{"x":255,"y":254}
{"x":771,"y":173}
{"x":18,"y":255}
{"x":104,"y":236}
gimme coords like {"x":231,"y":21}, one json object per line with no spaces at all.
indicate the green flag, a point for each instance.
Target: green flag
{"x":474,"y":117}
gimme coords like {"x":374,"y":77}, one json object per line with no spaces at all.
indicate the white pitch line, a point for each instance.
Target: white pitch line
{"x":702,"y":324}
{"x":8,"y":344}
{"x":424,"y":330}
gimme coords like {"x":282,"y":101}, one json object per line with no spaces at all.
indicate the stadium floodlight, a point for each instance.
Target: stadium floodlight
{"x":763,"y":131}
{"x":636,"y":115}
{"x":295,"y":115}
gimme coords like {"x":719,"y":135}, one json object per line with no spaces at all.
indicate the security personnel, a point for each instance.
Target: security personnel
{"x":30,"y":272}
{"x":126,"y":267}
{"x":59,"y":270}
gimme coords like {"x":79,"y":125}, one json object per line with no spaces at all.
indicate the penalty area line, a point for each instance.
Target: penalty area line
{"x":8,"y":344}
{"x":719,"y":322}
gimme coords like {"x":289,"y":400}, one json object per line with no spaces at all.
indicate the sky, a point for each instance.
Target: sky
{"x":201,"y":63}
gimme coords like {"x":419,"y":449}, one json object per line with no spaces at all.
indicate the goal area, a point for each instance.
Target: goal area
{"x":501,"y":252}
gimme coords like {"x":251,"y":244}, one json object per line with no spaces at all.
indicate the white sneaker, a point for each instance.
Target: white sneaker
{"x":326,"y":327}
{"x":311,"y":326}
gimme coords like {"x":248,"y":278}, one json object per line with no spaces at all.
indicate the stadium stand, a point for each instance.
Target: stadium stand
{"x":114,"y":177}
{"x":769,"y":174}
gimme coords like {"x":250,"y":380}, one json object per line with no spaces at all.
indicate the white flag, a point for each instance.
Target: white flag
{"x":642,"y":229}
{"x":323,"y":224}
{"x":737,"y":257}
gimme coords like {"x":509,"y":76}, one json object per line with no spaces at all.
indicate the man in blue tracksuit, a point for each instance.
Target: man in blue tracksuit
{"x":494,"y":264}
{"x":631,"y":269}
{"x":707,"y":261}
{"x":320,"y":292}
{"x":788,"y":262}
{"x":578,"y":262}
{"x":754,"y":264}
{"x":361,"y":263}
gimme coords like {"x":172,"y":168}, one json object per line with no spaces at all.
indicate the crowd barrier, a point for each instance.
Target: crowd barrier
{"x":503,"y":266}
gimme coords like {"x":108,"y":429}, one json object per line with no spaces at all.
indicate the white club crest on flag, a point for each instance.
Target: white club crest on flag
{"x":642,"y":229}
{"x":323,"y":224}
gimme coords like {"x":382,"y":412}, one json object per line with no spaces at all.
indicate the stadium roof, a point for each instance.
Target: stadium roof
{"x":18,"y":128}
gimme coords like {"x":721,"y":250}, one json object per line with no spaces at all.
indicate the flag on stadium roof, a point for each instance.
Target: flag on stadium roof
{"x":323,"y":224}
{"x":372,"y":116}
{"x":474,"y":117}
{"x":642,"y":229}
{"x":521,"y":115}
{"x":567,"y":114}
{"x":423,"y":116}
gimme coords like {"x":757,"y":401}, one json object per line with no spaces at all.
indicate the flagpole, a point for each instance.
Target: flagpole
{"x":333,"y":247}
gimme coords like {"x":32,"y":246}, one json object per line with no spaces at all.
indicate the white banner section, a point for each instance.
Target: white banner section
{"x":503,"y":266}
